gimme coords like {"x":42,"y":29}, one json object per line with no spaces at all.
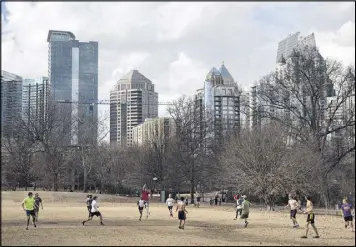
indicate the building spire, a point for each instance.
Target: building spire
{"x":222,"y":62}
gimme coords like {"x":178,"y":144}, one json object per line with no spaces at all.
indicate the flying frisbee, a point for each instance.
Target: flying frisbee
{"x":154,"y":179}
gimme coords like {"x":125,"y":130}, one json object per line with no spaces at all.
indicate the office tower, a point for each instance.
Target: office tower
{"x":132,"y":100}
{"x":35,"y":99}
{"x":153,"y":130}
{"x":292,"y":42}
{"x":73,"y":75}
{"x":11,"y":101}
{"x":219,"y":100}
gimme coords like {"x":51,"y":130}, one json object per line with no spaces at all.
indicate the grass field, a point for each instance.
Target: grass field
{"x":60,"y":224}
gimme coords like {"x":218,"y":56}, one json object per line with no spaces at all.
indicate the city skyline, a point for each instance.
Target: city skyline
{"x":175,"y":51}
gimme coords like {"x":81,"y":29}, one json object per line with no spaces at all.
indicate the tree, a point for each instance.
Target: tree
{"x":261,"y":163}
{"x":314,"y":98}
{"x":192,"y":142}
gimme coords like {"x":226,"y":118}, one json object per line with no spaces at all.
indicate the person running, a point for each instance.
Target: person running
{"x":239,"y":203}
{"x":94,"y":212}
{"x":346,"y":209}
{"x":141,"y":205}
{"x":198,"y":201}
{"x":28,"y":205}
{"x":88,"y":202}
{"x":310,"y":218}
{"x":245,"y":209}
{"x":294,"y":205}
{"x":145,"y":197}
{"x":169,"y":203}
{"x":38,"y":201}
{"x":181,"y":213}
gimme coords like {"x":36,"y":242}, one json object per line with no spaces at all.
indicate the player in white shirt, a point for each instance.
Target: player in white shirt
{"x":94,"y":211}
{"x":141,"y":205}
{"x":169,"y":203}
{"x":294,"y":205}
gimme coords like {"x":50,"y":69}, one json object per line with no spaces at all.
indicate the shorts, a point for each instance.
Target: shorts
{"x":348,"y":218}
{"x":97,"y":214}
{"x":89,"y":207}
{"x":181,"y":215}
{"x":37,"y":209}
{"x":170,"y":207}
{"x":30,"y":212}
{"x":244,"y":216}
{"x":293,"y":213}
{"x":140,"y":208}
{"x":311,"y":218}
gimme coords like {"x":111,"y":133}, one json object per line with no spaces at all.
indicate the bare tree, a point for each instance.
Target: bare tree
{"x":314,"y":98}
{"x":260,"y":162}
{"x":192,"y":141}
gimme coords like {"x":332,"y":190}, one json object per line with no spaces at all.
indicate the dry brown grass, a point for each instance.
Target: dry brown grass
{"x":60,"y":224}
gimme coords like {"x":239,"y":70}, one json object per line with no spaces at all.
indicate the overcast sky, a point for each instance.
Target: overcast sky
{"x":174,"y":44}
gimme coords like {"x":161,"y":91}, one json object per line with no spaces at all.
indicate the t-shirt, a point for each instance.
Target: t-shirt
{"x":310,"y":207}
{"x":89,"y":201}
{"x":245,"y":207}
{"x":170,"y":201}
{"x":29,"y":203}
{"x":145,"y":195}
{"x":38,"y":200}
{"x":94,"y":206}
{"x":293,"y":204}
{"x":141,"y":203}
{"x":346,"y":209}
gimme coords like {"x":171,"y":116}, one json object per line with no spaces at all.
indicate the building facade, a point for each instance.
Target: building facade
{"x":219,"y":101}
{"x":73,"y":76}
{"x":159,"y":130}
{"x":11,"y":101}
{"x":35,"y":99}
{"x":132,"y":100}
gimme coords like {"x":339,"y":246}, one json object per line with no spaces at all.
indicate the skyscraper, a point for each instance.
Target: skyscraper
{"x":220,"y":100}
{"x":11,"y":100}
{"x":35,"y":99}
{"x":132,"y":100}
{"x":73,"y":75}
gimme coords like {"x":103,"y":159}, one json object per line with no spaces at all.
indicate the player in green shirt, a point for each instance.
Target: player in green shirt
{"x":28,"y":205}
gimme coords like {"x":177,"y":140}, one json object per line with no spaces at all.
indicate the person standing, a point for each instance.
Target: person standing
{"x":310,"y":218}
{"x":38,"y":201}
{"x":88,"y":203}
{"x":293,"y":204}
{"x":169,"y":203}
{"x":140,"y":204}
{"x":94,"y":212}
{"x":346,"y":209}
{"x":28,"y":205}
{"x":145,"y":196}
{"x":181,"y":213}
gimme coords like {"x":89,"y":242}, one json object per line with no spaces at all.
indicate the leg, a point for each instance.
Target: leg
{"x":306,"y":230}
{"x":28,"y":221}
{"x":352,"y":226}
{"x":89,"y":219}
{"x":140,"y":214}
{"x":34,"y":219}
{"x":36,"y":212}
{"x":101,"y":220}
{"x":315,"y":230}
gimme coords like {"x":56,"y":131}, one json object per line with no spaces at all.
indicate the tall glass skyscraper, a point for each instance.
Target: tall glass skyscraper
{"x":73,"y":75}
{"x":11,"y":101}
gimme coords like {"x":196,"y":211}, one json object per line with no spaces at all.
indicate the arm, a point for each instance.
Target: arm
{"x":23,"y":206}
{"x":177,"y":208}
{"x":41,"y":204}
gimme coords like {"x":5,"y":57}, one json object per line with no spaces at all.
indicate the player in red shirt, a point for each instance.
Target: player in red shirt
{"x":145,"y":196}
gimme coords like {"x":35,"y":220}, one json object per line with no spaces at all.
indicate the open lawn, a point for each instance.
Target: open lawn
{"x":60,"y":224}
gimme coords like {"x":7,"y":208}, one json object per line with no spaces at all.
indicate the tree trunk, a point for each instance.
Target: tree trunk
{"x":192,"y":191}
{"x":85,"y":180}
{"x":55,"y":182}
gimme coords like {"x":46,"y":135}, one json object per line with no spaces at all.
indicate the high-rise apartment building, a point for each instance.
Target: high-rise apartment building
{"x":219,"y":100}
{"x":158,"y":130}
{"x":132,"y":100}
{"x":11,"y":101}
{"x":73,"y":75}
{"x":35,"y":99}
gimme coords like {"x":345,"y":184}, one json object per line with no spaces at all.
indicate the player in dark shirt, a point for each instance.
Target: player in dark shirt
{"x":38,"y":202}
{"x":88,"y":202}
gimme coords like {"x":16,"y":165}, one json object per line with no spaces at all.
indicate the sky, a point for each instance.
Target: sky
{"x":174,"y":44}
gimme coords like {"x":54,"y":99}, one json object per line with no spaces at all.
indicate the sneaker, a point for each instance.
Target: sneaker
{"x":235,"y":218}
{"x":83,"y":223}
{"x":34,"y":225}
{"x":139,"y":219}
{"x":316,"y":237}
{"x":304,"y":236}
{"x":246,"y":224}
{"x":102,"y":224}
{"x":345,"y":226}
{"x":26,"y":228}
